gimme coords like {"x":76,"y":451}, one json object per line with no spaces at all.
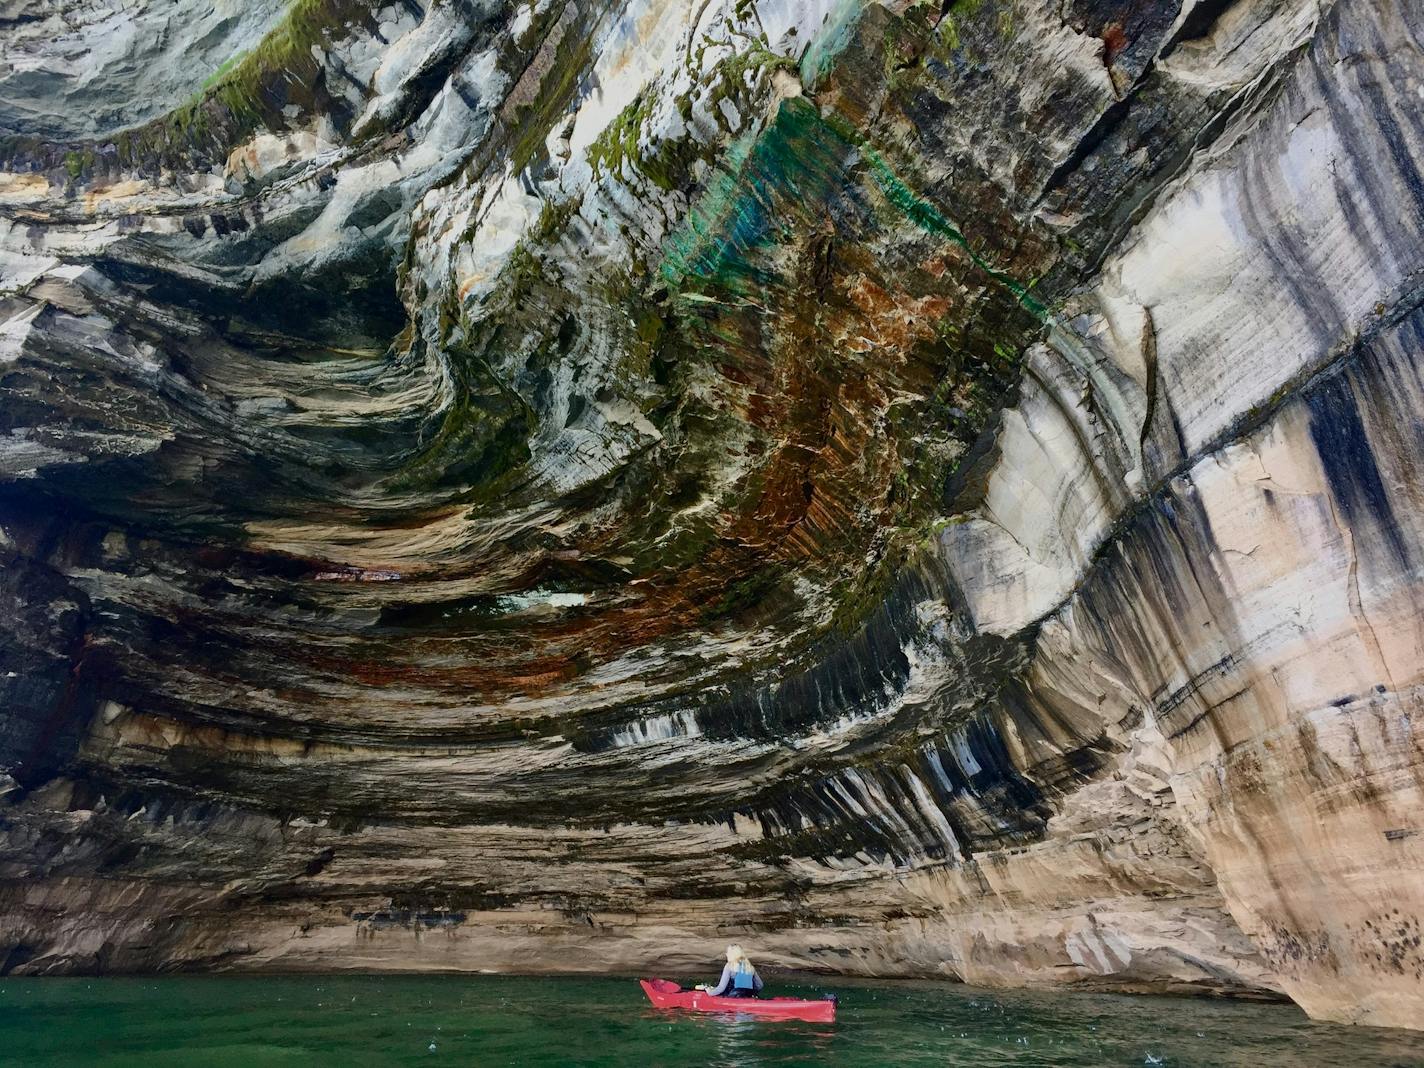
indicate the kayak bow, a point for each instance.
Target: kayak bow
{"x":668,"y":995}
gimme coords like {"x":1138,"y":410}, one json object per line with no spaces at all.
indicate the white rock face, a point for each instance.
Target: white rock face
{"x":74,"y":70}
{"x":1262,"y":610}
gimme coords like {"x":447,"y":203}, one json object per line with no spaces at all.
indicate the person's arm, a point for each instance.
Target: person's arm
{"x":756,"y":981}
{"x":726,"y":981}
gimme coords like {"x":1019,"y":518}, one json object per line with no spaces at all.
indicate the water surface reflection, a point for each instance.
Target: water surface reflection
{"x":352,"y":1021}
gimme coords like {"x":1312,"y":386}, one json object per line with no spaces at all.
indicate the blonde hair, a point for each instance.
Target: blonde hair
{"x":736,"y":955}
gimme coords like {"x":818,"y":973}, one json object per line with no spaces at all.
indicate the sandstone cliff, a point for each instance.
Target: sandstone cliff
{"x":921,"y":490}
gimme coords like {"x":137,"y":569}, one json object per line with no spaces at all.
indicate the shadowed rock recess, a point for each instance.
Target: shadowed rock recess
{"x":920,"y":490}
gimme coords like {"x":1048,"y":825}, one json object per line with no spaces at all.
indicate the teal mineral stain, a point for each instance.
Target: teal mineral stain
{"x":687,"y":249}
{"x":801,"y":158}
{"x":833,"y":38}
{"x":796,"y":159}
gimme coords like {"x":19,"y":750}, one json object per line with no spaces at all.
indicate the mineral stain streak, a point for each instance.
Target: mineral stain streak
{"x":921,"y":489}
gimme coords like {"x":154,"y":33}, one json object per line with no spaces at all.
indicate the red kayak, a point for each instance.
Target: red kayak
{"x":667,"y":995}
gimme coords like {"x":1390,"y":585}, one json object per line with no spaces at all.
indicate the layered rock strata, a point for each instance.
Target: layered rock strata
{"x":921,"y":490}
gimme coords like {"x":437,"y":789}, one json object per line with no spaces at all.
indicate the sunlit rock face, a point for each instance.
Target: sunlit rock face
{"x":916,"y":490}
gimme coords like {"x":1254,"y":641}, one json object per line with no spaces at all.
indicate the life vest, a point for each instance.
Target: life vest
{"x":744,"y":978}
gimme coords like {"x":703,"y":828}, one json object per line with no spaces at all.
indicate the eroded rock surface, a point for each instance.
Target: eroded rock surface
{"x":921,"y":490}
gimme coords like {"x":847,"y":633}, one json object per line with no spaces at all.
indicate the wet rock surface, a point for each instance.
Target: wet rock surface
{"x":922,"y":490}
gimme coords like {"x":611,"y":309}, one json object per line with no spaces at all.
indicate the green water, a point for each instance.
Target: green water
{"x":218,"y":1021}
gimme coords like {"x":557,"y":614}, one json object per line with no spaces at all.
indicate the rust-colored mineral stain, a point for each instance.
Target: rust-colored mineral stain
{"x":1114,"y":42}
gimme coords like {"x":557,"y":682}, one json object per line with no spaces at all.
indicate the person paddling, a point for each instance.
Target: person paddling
{"x":739,"y":977}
